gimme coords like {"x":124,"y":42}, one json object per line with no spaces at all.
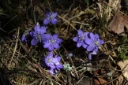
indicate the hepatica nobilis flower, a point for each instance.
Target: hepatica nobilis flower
{"x":93,"y":41}
{"x":49,"y":60}
{"x":53,"y":63}
{"x":80,"y":38}
{"x":50,"y":17}
{"x":70,"y":54}
{"x":51,"y":42}
{"x":37,"y":34}
{"x":90,"y":54}
{"x":24,"y":37}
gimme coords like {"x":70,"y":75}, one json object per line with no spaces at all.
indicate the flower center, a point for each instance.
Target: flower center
{"x":49,"y":60}
{"x":53,"y":41}
{"x":51,"y":17}
{"x":38,"y":37}
{"x":96,"y":43}
{"x":82,"y":38}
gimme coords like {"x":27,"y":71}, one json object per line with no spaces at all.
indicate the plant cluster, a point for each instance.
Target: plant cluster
{"x":87,"y":40}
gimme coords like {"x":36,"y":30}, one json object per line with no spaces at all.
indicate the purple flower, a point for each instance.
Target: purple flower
{"x":53,"y":71}
{"x":49,"y":60}
{"x":57,"y":63}
{"x":70,"y":54}
{"x":50,"y":17}
{"x":93,"y":42}
{"x":24,"y":37}
{"x":80,"y":39}
{"x":37,"y":34}
{"x":90,"y":55}
{"x":51,"y":42}
{"x":53,"y":63}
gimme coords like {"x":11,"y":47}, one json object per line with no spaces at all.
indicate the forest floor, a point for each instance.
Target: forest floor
{"x":22,"y":63}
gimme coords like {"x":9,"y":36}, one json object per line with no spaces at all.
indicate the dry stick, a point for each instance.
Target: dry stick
{"x":2,"y":30}
{"x":41,"y":82}
{"x":14,"y":51}
{"x":112,"y":59}
{"x":81,"y":13}
{"x":67,"y":22}
{"x":115,"y":78}
{"x":34,"y":15}
{"x":111,"y":81}
{"x":25,"y":49}
{"x":9,"y":21}
{"x":49,"y":5}
{"x":60,"y":55}
{"x":80,"y":23}
{"x":47,"y":75}
{"x":34,"y":82}
{"x":79,"y":80}
{"x":71,"y":63}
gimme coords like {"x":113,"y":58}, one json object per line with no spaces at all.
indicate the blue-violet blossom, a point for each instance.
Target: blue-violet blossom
{"x":50,"y":17}
{"x":70,"y":54}
{"x":53,"y":63}
{"x":53,"y":71}
{"x":51,"y":42}
{"x":24,"y":39}
{"x":37,"y":34}
{"x":93,"y":42}
{"x":80,"y":39}
{"x":90,"y":54}
{"x":49,"y":60}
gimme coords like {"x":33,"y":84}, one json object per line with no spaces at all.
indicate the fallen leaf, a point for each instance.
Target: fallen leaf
{"x":120,"y":80}
{"x":124,"y":67}
{"x":115,"y":4}
{"x":99,"y":81}
{"x":118,"y":24}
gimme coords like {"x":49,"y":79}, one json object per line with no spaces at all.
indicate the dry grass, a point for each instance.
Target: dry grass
{"x":21,"y":62}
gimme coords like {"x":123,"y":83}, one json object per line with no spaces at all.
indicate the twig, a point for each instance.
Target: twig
{"x":67,"y":22}
{"x":112,"y":59}
{"x":81,"y":13}
{"x":9,"y":21}
{"x":15,"y":48}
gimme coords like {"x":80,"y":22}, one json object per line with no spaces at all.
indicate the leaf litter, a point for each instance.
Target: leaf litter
{"x":119,"y":23}
{"x":102,"y":70}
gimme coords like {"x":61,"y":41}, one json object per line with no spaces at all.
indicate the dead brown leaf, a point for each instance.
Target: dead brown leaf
{"x":99,"y":81}
{"x":124,"y":67}
{"x":120,"y":80}
{"x":115,"y":4}
{"x":118,"y":24}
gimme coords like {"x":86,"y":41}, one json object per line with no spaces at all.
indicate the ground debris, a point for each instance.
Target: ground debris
{"x":124,"y":67}
{"x":119,"y":23}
